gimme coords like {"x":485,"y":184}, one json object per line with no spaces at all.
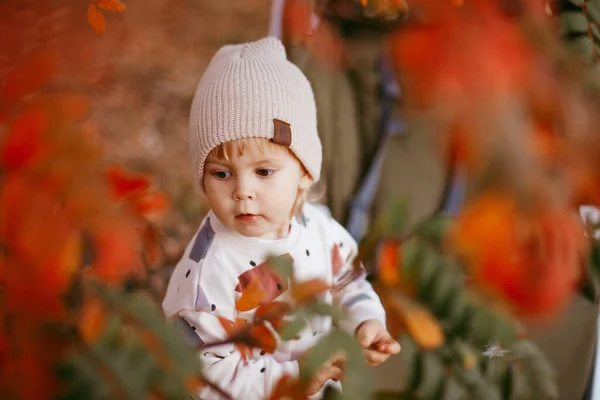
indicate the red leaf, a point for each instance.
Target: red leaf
{"x":71,"y":106}
{"x":23,"y":143}
{"x":96,"y":19}
{"x":150,"y":204}
{"x":29,"y":76}
{"x":112,"y":5}
{"x":124,"y":184}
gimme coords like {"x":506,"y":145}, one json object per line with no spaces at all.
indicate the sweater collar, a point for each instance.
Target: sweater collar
{"x":254,"y":246}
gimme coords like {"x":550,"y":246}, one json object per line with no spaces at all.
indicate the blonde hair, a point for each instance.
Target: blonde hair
{"x":236,"y":148}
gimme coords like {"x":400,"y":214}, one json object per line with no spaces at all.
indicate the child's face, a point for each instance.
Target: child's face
{"x":253,"y":193}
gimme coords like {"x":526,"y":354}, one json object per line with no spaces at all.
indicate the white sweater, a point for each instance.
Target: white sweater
{"x":203,"y":286}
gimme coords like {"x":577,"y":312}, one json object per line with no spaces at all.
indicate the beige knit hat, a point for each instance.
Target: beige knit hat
{"x":251,"y":90}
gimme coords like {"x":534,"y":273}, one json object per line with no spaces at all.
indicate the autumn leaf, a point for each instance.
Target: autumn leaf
{"x":152,"y":204}
{"x":543,"y":252}
{"x":29,"y":76}
{"x":416,"y":319}
{"x":96,"y":19}
{"x":73,"y":107}
{"x":305,"y":291}
{"x":261,"y":336}
{"x":289,"y":388}
{"x":71,"y":255}
{"x":124,"y":184}
{"x":388,"y":259}
{"x":252,"y":296}
{"x":24,"y":141}
{"x":273,"y":312}
{"x":232,"y":328}
{"x":92,"y":320}
{"x":117,"y":252}
{"x":112,"y":5}
{"x":193,"y":383}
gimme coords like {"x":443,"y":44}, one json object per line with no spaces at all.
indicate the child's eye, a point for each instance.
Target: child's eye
{"x":221,"y":174}
{"x":265,"y":171}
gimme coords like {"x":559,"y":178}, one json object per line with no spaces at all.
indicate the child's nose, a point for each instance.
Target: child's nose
{"x":243,"y":189}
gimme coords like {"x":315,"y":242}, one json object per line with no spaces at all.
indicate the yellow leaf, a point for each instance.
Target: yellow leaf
{"x":96,"y":19}
{"x":92,"y":320}
{"x":112,"y":5}
{"x":70,"y":257}
{"x":418,"y":321}
{"x":305,"y":291}
{"x":252,"y":296}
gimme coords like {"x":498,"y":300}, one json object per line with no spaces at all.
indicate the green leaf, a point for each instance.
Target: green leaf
{"x":356,"y":384}
{"x":321,"y":308}
{"x":432,"y":376}
{"x":282,"y":266}
{"x":394,"y":220}
{"x":291,"y":329}
{"x":435,"y":228}
{"x":454,"y":390}
{"x":541,"y":376}
{"x":447,"y":283}
{"x":410,"y":362}
{"x":121,"y":350}
{"x":430,"y":265}
{"x":459,"y":315}
{"x":411,"y":252}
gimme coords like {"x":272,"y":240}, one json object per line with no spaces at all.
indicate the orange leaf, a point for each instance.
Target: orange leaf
{"x":288,"y":388}
{"x":96,"y":19}
{"x":388,"y":262}
{"x":112,"y":5}
{"x":92,"y":320}
{"x":72,"y":106}
{"x":148,"y":205}
{"x":419,"y":322}
{"x":273,"y":312}
{"x":232,"y":328}
{"x":193,"y":383}
{"x":252,"y":296}
{"x":31,"y":75}
{"x":262,"y":337}
{"x":23,"y":143}
{"x":306,"y":291}
{"x":124,"y":184}
{"x":70,"y":257}
{"x":117,"y":252}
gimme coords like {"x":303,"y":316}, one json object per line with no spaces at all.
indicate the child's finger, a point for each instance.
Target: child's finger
{"x":321,"y":376}
{"x":374,"y":357}
{"x":389,"y":346}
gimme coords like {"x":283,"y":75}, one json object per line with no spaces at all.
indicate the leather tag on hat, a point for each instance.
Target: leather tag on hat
{"x":283,"y":133}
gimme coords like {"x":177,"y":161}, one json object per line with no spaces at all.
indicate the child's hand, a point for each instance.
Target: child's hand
{"x":333,"y":369}
{"x":376,"y":342}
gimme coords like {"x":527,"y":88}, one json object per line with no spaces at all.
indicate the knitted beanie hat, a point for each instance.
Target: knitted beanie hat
{"x":251,"y":90}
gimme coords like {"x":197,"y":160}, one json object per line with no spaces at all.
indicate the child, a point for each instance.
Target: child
{"x":257,"y":152}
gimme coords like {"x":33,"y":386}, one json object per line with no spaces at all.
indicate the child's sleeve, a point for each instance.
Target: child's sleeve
{"x":196,"y":297}
{"x":351,"y":290}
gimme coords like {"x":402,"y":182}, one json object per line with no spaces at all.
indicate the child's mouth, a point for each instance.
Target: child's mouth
{"x":246,"y":217}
